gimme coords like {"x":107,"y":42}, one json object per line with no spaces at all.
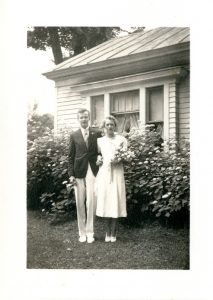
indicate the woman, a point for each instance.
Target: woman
{"x":111,"y":191}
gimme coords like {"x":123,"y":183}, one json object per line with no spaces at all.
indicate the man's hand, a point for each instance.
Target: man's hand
{"x":99,"y":161}
{"x":73,"y":180}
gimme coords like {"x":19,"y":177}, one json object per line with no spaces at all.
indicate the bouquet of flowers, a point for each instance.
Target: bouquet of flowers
{"x":122,"y":155}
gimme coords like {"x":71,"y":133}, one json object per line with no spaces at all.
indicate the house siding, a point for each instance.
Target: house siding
{"x":172,"y":110}
{"x":68,"y":103}
{"x":183,"y":118}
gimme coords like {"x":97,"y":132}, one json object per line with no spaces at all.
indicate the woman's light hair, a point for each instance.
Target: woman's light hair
{"x":111,"y":118}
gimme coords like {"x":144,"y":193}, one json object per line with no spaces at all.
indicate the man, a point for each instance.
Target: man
{"x":82,"y":170}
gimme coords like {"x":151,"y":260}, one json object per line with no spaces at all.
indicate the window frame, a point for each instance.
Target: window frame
{"x":141,"y":86}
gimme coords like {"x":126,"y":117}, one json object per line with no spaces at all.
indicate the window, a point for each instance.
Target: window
{"x":97,"y":110}
{"x":125,"y":107}
{"x":154,"y":107}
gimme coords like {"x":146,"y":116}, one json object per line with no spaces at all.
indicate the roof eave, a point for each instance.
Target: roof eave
{"x":129,"y":59}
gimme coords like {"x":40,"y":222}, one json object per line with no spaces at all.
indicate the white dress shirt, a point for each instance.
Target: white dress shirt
{"x":85,"y":133}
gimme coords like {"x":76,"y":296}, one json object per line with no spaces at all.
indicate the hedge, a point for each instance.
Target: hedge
{"x":157,"y":178}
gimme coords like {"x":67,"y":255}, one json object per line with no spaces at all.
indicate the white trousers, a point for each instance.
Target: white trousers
{"x":85,"y":203}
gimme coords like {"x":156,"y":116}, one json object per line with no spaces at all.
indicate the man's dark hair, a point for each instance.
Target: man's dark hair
{"x":83,"y":110}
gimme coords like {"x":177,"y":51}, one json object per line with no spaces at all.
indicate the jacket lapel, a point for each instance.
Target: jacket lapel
{"x":90,"y":139}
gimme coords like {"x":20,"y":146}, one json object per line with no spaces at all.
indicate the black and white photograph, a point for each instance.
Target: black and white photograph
{"x":105,"y":159}
{"x":108,"y":175}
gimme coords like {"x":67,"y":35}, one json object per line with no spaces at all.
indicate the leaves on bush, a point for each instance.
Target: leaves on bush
{"x":157,"y":175}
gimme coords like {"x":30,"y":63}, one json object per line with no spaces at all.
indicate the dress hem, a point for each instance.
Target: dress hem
{"x":107,"y":216}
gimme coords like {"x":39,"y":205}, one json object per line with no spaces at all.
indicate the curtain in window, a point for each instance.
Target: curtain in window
{"x":127,"y":121}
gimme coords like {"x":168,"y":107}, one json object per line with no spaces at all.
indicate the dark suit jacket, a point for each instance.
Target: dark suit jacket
{"x":80,"y":156}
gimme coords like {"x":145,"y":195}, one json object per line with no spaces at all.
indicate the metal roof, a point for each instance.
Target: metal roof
{"x":129,"y":45}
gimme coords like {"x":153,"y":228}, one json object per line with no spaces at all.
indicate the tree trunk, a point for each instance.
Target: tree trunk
{"x":55,"y":44}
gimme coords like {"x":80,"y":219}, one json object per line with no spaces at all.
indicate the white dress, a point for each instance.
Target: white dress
{"x":110,"y":184}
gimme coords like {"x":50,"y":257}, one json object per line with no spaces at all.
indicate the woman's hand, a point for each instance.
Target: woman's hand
{"x":116,"y":161}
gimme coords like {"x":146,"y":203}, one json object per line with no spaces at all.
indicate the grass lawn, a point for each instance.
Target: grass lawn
{"x":150,"y":247}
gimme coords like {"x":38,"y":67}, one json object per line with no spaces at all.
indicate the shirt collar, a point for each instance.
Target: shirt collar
{"x":84,"y":130}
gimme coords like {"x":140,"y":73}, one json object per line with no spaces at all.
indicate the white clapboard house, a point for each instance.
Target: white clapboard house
{"x":139,"y":78}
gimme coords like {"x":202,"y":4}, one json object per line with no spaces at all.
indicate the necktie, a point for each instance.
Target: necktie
{"x":86,"y":136}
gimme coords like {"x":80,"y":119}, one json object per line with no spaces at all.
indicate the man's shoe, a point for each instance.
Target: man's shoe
{"x":90,"y":240}
{"x":82,"y":239}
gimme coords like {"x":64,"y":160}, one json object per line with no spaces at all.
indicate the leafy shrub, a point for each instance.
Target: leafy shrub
{"x":157,"y":179}
{"x":47,"y":175}
{"x":37,"y":125}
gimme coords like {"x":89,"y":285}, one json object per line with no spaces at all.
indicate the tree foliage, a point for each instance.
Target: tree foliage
{"x":74,"y":39}
{"x":38,"y":124}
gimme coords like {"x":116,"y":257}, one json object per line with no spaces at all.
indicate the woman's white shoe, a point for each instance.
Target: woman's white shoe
{"x":113,"y":239}
{"x":107,"y":238}
{"x":82,"y":239}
